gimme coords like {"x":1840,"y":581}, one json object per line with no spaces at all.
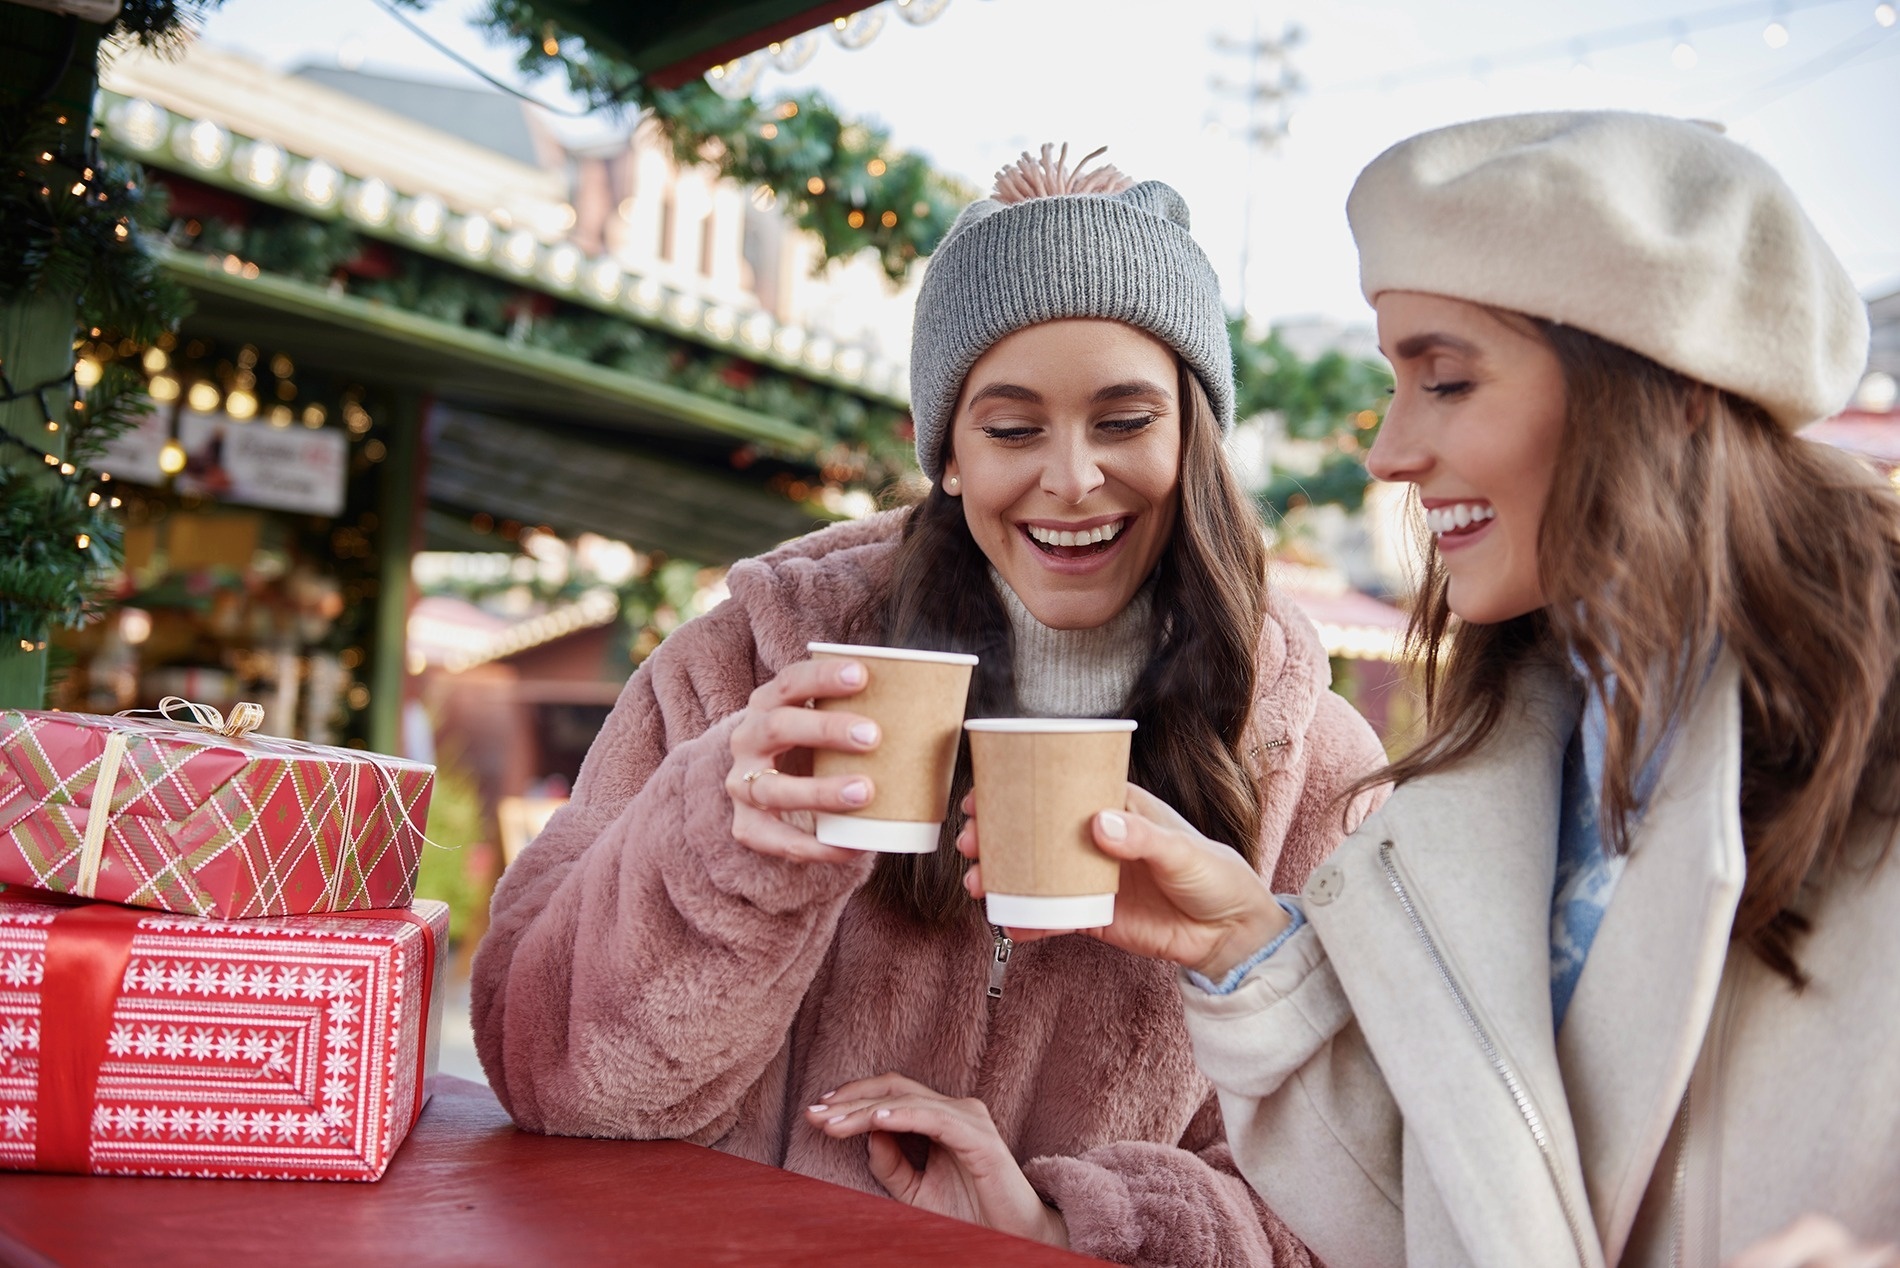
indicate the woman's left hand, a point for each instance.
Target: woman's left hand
{"x":969,"y":1175}
{"x":1815,"y":1241}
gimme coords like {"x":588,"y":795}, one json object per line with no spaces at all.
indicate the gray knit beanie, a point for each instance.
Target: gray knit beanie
{"x":1125,"y":257}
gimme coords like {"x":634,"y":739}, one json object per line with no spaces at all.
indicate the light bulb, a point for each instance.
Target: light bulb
{"x":171,"y":459}
{"x":203,"y":396}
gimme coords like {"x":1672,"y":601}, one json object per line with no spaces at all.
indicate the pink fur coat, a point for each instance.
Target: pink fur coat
{"x":645,"y":976}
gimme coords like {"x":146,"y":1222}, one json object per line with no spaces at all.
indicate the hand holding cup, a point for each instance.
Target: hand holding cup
{"x":1183,"y":897}
{"x":771,"y":759}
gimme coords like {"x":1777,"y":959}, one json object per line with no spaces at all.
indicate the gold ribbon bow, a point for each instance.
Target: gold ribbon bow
{"x":245,"y":716}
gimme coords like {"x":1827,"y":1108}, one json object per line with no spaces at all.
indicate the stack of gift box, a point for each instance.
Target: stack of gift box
{"x":210,"y":961}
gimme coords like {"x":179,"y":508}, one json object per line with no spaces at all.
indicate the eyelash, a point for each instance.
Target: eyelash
{"x":1443,"y":390}
{"x":1121,"y":426}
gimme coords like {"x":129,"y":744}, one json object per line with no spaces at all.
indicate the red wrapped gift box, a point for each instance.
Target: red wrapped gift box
{"x":135,"y":1043}
{"x":171,"y":815}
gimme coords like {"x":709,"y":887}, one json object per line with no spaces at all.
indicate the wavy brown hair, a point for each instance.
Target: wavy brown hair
{"x":1191,"y":700}
{"x":1683,"y":521}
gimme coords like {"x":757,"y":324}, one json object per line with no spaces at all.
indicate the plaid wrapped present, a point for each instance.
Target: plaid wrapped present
{"x":137,"y":1043}
{"x":193,"y":816}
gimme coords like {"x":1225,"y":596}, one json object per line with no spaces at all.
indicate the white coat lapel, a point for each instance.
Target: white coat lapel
{"x":1643,"y":1002}
{"x":1475,"y":849}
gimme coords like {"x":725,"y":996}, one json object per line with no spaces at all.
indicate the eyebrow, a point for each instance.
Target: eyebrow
{"x":1419,"y":345}
{"x":1113,"y":392}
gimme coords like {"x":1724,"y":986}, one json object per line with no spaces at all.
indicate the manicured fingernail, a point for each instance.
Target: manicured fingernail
{"x":865,"y":733}
{"x":857,"y":792}
{"x":836,"y":1118}
{"x":852,"y":675}
{"x":827,"y":1096}
{"x":1113,"y":826}
{"x":816,"y":1109}
{"x":882,"y":1114}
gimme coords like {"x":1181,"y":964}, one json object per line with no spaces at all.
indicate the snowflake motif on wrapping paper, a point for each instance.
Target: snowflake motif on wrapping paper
{"x":16,"y":1034}
{"x":15,"y":1122}
{"x":22,"y":968}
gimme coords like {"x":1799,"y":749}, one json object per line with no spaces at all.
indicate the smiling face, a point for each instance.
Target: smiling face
{"x":1066,"y":448}
{"x":1476,"y":419}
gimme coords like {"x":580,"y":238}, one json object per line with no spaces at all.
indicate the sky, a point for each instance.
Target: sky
{"x":1161,"y":84}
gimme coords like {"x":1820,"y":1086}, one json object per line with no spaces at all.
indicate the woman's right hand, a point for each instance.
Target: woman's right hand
{"x":1182,"y":897}
{"x":771,"y":760}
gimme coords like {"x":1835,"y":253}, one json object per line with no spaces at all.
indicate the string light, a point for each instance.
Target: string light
{"x":1885,"y":14}
{"x":171,"y":459}
{"x":84,"y":540}
{"x":816,"y":185}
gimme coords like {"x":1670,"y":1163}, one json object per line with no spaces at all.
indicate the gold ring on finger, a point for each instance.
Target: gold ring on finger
{"x":751,"y":775}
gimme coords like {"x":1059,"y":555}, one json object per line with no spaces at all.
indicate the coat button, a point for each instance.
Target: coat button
{"x":1326,"y":884}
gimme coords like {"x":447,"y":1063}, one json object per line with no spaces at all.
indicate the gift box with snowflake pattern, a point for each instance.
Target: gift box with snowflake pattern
{"x":138,"y":1043}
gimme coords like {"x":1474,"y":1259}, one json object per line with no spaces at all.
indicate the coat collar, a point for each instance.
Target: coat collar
{"x":1475,"y":849}
{"x":1643,"y":1002}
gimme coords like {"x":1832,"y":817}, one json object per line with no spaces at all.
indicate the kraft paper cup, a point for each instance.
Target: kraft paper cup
{"x":1039,"y":784}
{"x":916,"y":698}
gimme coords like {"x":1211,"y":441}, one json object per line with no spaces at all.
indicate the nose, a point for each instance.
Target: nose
{"x":1071,"y":471}
{"x":1400,"y":454}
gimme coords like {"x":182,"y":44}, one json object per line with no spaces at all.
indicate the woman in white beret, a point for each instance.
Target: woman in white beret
{"x":1612,"y":977}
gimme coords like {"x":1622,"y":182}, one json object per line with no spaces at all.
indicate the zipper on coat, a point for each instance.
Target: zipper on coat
{"x":1679,"y":1196}
{"x":999,"y":962}
{"x":1526,"y":1108}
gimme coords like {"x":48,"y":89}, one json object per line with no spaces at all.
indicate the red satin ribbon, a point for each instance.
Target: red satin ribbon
{"x":87,"y":950}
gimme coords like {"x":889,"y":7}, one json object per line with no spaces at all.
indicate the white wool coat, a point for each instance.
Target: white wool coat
{"x":1393,"y":1087}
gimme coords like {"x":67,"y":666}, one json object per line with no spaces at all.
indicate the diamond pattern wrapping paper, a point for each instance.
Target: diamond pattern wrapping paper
{"x":158,"y":814}
{"x":136,"y":1043}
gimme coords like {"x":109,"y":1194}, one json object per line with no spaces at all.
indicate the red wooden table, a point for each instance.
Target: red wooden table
{"x":469,"y":1189}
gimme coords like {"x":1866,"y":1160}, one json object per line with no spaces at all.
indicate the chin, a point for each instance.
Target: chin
{"x":1073,"y":611}
{"x":1490,"y":609}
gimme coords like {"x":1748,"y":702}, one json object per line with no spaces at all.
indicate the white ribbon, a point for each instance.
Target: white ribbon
{"x":92,"y":850}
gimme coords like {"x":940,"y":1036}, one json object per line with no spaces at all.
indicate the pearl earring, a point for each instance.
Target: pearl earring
{"x":952,"y":484}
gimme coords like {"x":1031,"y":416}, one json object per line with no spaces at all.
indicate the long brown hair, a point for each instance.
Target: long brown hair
{"x":1191,"y":700}
{"x":1684,"y":520}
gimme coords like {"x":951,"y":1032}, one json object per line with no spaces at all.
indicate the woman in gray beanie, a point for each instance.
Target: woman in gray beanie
{"x":1610,"y":979}
{"x":677,"y":955}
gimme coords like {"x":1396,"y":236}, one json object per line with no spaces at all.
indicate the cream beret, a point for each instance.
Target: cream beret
{"x":1657,"y":234}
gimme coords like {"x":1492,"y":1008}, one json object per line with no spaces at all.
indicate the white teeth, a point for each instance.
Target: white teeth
{"x":1082,"y":537}
{"x":1446,"y":519}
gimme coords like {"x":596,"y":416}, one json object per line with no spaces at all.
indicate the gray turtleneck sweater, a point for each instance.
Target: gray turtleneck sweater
{"x":1077,"y":673}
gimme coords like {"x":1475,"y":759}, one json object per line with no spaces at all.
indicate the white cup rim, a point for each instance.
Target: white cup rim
{"x":1050,"y":726}
{"x":891,"y":653}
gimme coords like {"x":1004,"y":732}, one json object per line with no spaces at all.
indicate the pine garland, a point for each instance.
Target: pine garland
{"x":839,"y":178}
{"x":69,"y":227}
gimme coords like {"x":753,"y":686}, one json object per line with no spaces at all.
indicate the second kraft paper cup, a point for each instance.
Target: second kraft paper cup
{"x":916,"y":698}
{"x":1040,"y":782}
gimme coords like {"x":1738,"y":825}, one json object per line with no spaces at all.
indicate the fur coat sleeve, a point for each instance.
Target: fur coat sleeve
{"x":642,"y":967}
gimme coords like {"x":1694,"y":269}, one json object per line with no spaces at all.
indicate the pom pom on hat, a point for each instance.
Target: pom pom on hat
{"x":1654,"y":233}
